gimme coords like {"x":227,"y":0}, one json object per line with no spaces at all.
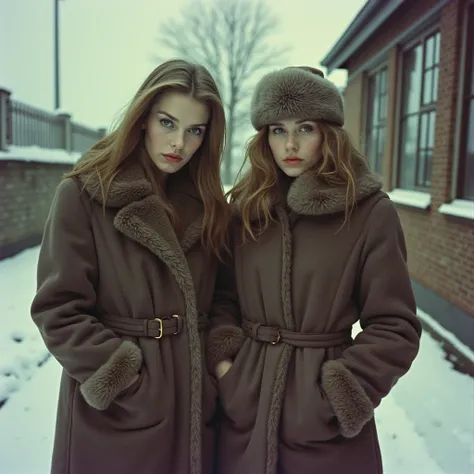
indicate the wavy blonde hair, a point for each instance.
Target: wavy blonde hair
{"x":111,"y":153}
{"x":254,"y":191}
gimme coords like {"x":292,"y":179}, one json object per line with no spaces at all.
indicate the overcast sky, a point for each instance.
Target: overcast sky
{"x":107,"y":45}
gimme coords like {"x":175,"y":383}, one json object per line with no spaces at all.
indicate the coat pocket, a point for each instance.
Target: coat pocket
{"x":149,"y":400}
{"x":307,"y":416}
{"x":239,"y":388}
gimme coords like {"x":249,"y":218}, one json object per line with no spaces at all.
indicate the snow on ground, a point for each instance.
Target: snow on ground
{"x":39,"y":154}
{"x":426,"y":425}
{"x":21,"y":346}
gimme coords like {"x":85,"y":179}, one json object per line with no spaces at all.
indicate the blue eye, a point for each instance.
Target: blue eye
{"x":166,"y":123}
{"x":196,"y":131}
{"x":278,"y":131}
{"x":306,"y":128}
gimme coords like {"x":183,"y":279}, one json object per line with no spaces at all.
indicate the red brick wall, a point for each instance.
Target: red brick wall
{"x":26,"y":192}
{"x":441,"y":248}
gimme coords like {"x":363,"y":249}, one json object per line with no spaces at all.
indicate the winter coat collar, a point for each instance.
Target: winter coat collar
{"x":310,"y":195}
{"x":140,"y":212}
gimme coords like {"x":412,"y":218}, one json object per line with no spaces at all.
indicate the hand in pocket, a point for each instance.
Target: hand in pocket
{"x":222,"y":368}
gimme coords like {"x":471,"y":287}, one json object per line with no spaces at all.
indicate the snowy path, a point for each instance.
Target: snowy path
{"x":426,"y":425}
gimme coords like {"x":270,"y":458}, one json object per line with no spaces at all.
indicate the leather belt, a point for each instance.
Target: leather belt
{"x":156,"y":327}
{"x":273,"y":335}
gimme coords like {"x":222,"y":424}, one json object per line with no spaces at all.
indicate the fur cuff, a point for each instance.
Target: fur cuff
{"x":223,"y":343}
{"x":348,"y":399}
{"x":110,"y":379}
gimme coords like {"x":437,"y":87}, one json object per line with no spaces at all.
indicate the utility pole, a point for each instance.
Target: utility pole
{"x":56,"y":54}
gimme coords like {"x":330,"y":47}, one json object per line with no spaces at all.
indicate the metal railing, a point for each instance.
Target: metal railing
{"x":24,"y":125}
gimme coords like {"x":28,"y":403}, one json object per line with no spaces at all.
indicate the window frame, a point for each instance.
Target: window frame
{"x":423,"y":109}
{"x":466,"y":78}
{"x":383,"y":123}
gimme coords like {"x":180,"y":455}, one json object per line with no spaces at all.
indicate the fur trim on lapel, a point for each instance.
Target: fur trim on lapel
{"x":311,"y":196}
{"x":129,"y":185}
{"x":147,"y":223}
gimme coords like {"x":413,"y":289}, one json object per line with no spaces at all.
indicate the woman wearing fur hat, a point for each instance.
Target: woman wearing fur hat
{"x":317,"y":248}
{"x":125,"y":281}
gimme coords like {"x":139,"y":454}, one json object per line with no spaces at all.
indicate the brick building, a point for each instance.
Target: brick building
{"x":409,"y":102}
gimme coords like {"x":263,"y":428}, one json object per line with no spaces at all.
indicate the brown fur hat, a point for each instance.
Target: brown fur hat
{"x":296,"y":92}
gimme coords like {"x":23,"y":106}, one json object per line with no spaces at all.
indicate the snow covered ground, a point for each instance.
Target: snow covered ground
{"x":426,"y":425}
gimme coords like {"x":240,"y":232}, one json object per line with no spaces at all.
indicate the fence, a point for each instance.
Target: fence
{"x":24,"y":125}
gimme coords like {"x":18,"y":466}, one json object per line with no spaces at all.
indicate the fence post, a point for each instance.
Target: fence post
{"x":67,"y":129}
{"x":5,"y":119}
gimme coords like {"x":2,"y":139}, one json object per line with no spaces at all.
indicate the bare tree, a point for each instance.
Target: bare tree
{"x":229,"y":37}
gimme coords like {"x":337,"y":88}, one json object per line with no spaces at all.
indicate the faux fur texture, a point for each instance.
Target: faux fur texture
{"x":348,"y":399}
{"x":142,"y":218}
{"x":224,"y":342}
{"x":113,"y":377}
{"x":296,"y":92}
{"x":278,"y":388}
{"x":312,"y":196}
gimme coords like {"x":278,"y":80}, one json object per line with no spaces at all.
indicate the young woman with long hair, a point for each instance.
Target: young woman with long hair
{"x":125,"y":281}
{"x":317,"y":247}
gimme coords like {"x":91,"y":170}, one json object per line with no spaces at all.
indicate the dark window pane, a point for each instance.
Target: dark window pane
{"x":424,"y":131}
{"x":420,"y":172}
{"x":437,"y":47}
{"x":428,"y":87}
{"x":435,"y":83}
{"x":431,"y":129}
{"x":429,"y":52}
{"x":412,"y":79}
{"x":370,"y":103}
{"x":409,"y":151}
{"x":428,"y":162}
{"x":468,"y":178}
{"x":372,"y":143}
{"x":380,"y":150}
{"x":383,"y":107}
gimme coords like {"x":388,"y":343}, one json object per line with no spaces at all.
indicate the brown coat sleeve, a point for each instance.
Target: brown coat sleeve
{"x":65,"y":302}
{"x":389,"y":342}
{"x":225,"y":336}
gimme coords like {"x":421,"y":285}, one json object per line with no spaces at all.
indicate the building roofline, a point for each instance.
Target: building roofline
{"x":372,"y":15}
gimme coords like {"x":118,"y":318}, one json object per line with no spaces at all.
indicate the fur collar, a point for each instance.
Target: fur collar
{"x":309,"y":195}
{"x":132,"y":195}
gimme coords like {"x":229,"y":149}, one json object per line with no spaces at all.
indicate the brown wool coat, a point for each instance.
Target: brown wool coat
{"x":291,"y":406}
{"x":130,"y":263}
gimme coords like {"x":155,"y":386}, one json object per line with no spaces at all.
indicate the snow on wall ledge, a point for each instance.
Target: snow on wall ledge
{"x":40,"y":155}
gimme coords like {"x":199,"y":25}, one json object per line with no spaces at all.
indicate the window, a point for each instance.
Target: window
{"x":466,"y":169}
{"x":418,"y":114}
{"x":376,"y":118}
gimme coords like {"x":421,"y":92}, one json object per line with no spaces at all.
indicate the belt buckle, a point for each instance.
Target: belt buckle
{"x":160,"y":328}
{"x":278,"y":337}
{"x":175,"y":316}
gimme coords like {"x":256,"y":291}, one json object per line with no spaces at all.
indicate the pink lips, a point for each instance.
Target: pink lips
{"x":172,"y":157}
{"x":293,"y":160}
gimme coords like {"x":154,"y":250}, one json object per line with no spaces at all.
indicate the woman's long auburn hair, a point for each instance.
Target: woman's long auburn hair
{"x":111,"y":153}
{"x":252,"y":195}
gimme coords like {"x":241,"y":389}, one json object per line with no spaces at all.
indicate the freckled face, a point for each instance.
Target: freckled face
{"x":295,"y":145}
